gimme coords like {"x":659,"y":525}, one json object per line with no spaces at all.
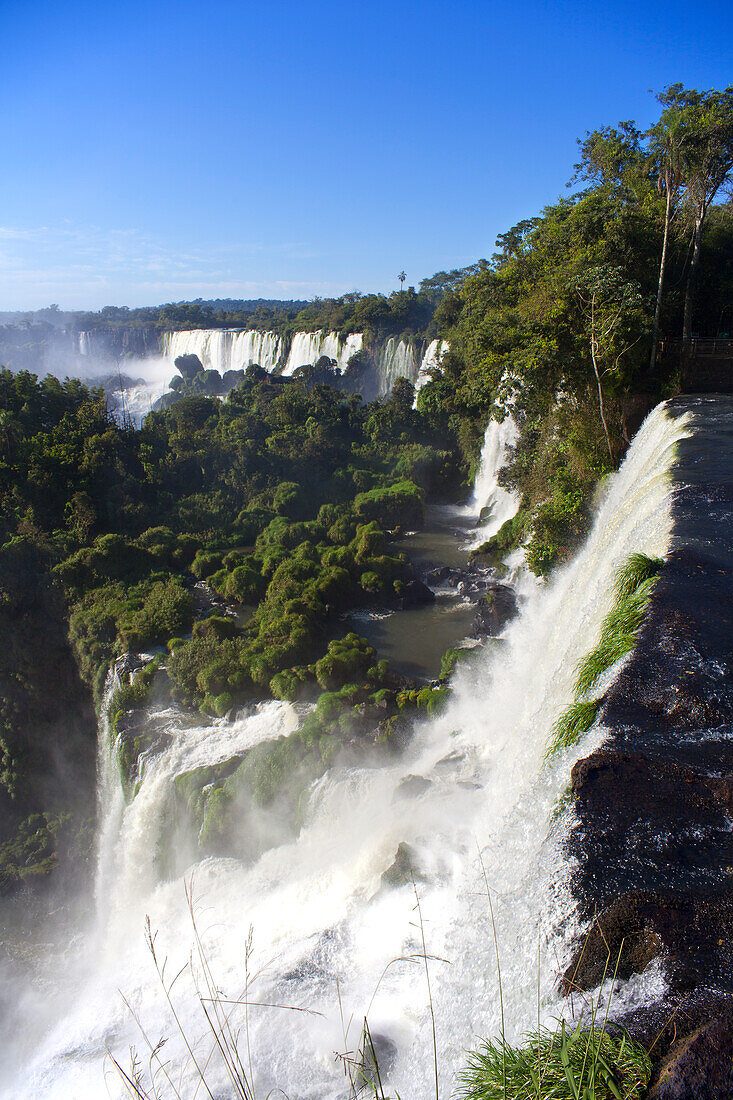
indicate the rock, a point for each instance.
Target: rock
{"x":700,"y":1067}
{"x":494,"y":610}
{"x":414,"y":594}
{"x":404,"y":870}
{"x":451,"y":759}
{"x":411,"y":786}
{"x":377,"y":1054}
{"x":441,"y":574}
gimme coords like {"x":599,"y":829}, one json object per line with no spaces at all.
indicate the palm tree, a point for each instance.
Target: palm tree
{"x":402,"y":278}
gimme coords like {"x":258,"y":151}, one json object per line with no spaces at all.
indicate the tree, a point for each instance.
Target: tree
{"x":611,"y":309}
{"x":402,"y":278}
{"x":667,"y":143}
{"x":708,"y":161}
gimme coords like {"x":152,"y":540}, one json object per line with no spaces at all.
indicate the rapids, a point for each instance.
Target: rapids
{"x":327,"y":935}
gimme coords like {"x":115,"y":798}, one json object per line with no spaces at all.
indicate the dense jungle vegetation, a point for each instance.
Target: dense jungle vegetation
{"x":283,"y":496}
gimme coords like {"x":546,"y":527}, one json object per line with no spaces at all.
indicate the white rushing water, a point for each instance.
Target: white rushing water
{"x":431,"y":360}
{"x":233,"y":349}
{"x":307,"y":348}
{"x":489,"y":496}
{"x":225,"y":349}
{"x":323,"y":925}
{"x":396,"y":359}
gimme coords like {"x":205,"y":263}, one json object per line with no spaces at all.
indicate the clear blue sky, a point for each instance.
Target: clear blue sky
{"x":158,"y":151}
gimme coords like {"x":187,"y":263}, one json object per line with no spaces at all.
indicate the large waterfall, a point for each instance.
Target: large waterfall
{"x":489,"y":496}
{"x":307,"y":348}
{"x":328,"y":936}
{"x":232,"y":349}
{"x":222,"y":349}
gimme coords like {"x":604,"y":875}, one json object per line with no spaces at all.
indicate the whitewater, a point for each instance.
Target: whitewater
{"x":308,"y":916}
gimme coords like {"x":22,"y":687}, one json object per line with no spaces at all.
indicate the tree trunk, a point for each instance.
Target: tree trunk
{"x":691,"y":278}
{"x":660,"y":286}
{"x":593,"y":350}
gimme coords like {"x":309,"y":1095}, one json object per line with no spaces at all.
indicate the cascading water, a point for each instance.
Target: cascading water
{"x":308,"y":347}
{"x":226,"y":349}
{"x":233,"y":349}
{"x":431,"y":360}
{"x":396,"y":359}
{"x":488,"y":495}
{"x":321,"y":915}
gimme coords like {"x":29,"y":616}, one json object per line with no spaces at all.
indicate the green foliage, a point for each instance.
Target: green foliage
{"x":576,"y":720}
{"x":581,"y":1064}
{"x":135,"y":694}
{"x":344,"y":659}
{"x":619,"y":628}
{"x":399,"y":504}
{"x":32,"y":851}
{"x":637,"y":569}
{"x":633,"y":585}
{"x":452,"y":658}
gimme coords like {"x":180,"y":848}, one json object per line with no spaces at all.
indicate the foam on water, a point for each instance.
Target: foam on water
{"x":315,"y":900}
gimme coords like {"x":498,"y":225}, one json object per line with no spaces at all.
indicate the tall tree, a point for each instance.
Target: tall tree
{"x":611,"y":309}
{"x":667,"y":145}
{"x":708,"y":163}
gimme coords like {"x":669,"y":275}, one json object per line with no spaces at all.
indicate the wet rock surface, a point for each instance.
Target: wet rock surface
{"x":654,"y":835}
{"x":494,"y":610}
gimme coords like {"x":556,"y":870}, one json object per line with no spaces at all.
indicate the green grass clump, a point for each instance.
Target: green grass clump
{"x":573,"y":723}
{"x":618,"y":631}
{"x":636,"y":569}
{"x":558,"y":1065}
{"x":633,"y":586}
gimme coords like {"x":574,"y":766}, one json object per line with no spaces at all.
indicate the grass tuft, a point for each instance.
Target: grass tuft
{"x":558,"y":1065}
{"x":573,"y":723}
{"x":636,"y":569}
{"x":633,"y":586}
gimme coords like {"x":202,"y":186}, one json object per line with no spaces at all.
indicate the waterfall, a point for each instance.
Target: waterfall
{"x":488,"y":494}
{"x":231,"y":349}
{"x":315,"y":901}
{"x":396,"y":359}
{"x":223,"y":349}
{"x":431,"y":360}
{"x":308,"y":347}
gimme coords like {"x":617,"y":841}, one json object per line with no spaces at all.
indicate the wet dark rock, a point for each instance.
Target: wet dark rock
{"x":412,"y":786}
{"x":451,"y":759}
{"x":494,"y":610}
{"x":414,"y":594}
{"x":441,"y":575}
{"x":700,"y":1066}
{"x":647,"y":822}
{"x":694,"y":937}
{"x":377,"y":1055}
{"x":404,"y":870}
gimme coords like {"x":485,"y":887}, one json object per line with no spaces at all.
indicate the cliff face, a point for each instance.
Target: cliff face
{"x":654,"y":838}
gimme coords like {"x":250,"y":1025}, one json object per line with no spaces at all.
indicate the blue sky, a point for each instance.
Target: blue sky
{"x":159,"y":151}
